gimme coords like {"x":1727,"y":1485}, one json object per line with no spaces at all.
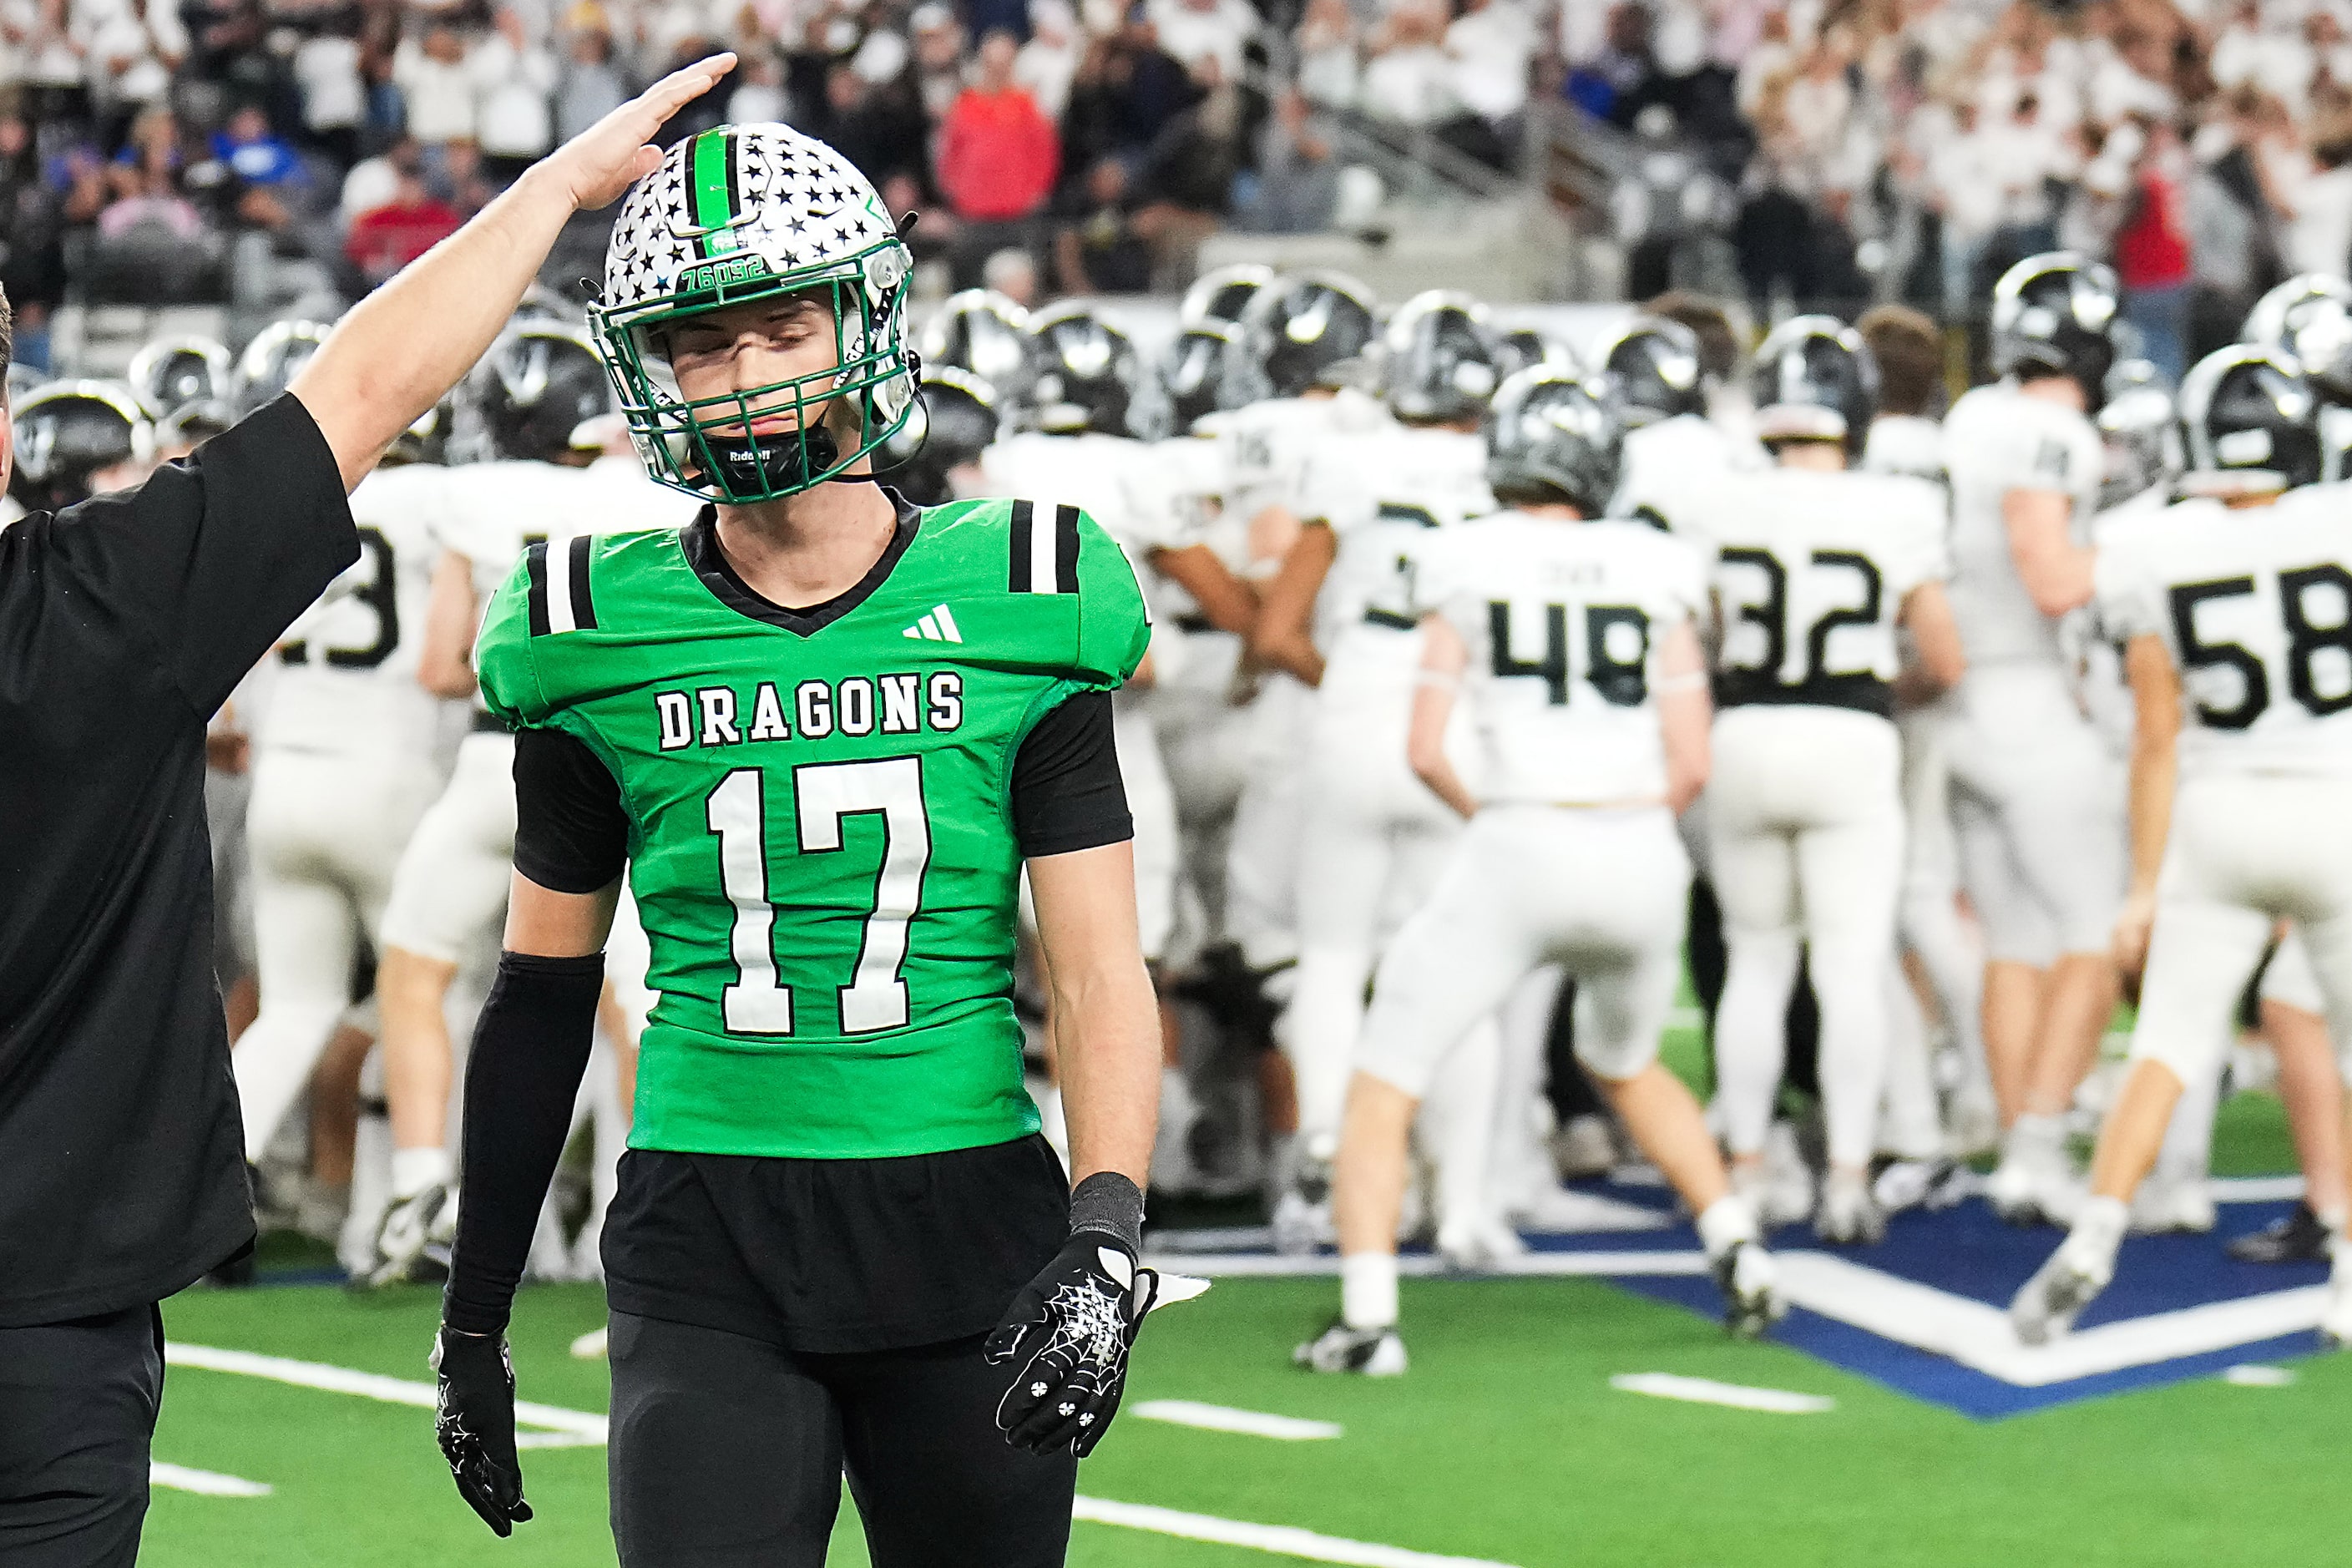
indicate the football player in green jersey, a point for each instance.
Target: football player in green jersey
{"x":826,"y":732}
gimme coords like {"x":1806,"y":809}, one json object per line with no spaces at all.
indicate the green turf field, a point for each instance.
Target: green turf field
{"x":1505,"y":1444}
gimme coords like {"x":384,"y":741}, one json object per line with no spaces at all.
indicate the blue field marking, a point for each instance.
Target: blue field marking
{"x":1968,"y":1253}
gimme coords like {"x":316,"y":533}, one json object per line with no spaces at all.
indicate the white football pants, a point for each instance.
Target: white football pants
{"x":1806,"y":824}
{"x":326,"y":832}
{"x":2039,"y":803}
{"x":1369,"y":854}
{"x":1601,"y":892}
{"x":2246,"y":850}
{"x":453,"y":879}
{"x":1928,"y":921}
{"x":1262,"y":859}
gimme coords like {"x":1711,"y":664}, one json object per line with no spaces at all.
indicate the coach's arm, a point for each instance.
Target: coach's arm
{"x":405,"y":346}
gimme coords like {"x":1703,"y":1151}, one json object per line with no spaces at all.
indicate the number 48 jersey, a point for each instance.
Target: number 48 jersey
{"x":2255,"y":607}
{"x":821,"y":844}
{"x":1564,"y":622}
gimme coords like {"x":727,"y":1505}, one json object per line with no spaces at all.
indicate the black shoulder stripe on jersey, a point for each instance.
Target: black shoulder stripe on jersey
{"x":583,"y":608}
{"x":1066,"y":549}
{"x":1023,"y":516}
{"x":534,"y":560}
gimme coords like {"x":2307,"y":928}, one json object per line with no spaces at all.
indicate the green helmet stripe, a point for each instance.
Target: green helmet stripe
{"x":712,"y":163}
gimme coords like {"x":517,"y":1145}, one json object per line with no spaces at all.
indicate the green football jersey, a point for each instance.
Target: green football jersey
{"x":821,"y":840}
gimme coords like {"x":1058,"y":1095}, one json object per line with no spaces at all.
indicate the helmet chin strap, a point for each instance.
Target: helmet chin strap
{"x":774,"y":468}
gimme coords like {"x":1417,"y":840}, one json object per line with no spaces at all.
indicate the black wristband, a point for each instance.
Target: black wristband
{"x":531,"y":1050}
{"x":1109,"y":1203}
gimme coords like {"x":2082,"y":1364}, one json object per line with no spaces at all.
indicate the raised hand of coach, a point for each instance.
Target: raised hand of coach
{"x":601,"y":162}
{"x":475,"y":1424}
{"x":1076,"y":1322}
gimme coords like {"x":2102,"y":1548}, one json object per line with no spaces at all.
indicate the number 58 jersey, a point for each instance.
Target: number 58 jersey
{"x":2255,"y":607}
{"x":1564,"y":622}
{"x":821,"y":842}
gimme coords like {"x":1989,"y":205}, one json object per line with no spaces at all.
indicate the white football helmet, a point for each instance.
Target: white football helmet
{"x":740,"y":213}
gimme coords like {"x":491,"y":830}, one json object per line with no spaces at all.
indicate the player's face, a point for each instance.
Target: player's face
{"x":786,"y":345}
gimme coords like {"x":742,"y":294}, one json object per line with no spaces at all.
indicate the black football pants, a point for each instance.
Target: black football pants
{"x":77,"y":1405}
{"x":729,"y":1451}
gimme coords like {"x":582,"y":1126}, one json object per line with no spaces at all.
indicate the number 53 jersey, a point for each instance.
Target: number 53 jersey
{"x":821,"y":838}
{"x":2255,"y":607}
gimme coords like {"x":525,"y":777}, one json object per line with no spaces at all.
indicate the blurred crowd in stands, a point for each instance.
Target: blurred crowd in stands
{"x":1914,"y":149}
{"x":1818,"y":153}
{"x":1062,"y":147}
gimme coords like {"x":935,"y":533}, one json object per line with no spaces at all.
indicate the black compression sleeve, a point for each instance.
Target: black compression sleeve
{"x":1066,"y":790}
{"x":572,"y":833}
{"x":530,"y":1048}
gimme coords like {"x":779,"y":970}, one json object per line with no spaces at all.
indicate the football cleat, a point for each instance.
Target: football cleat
{"x":1368,"y":1352}
{"x":1931,"y":1185}
{"x":2173,"y":1204}
{"x":412,"y":1245}
{"x":1750,"y":1283}
{"x":2027,"y":1190}
{"x":2046,"y":1308}
{"x":2336,"y":1317}
{"x":1974,"y":1127}
{"x":2300,"y":1237}
{"x":1583,"y":1147}
{"x":1302,"y":1223}
{"x":1849,"y":1215}
{"x":1479,"y":1246}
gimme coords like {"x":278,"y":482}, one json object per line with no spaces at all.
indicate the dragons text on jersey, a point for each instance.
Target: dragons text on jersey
{"x":820,"y":840}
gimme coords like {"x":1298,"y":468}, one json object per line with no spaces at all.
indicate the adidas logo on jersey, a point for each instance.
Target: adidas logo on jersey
{"x":937,"y":627}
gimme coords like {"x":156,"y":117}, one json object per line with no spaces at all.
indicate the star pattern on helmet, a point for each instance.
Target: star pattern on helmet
{"x":810,"y":206}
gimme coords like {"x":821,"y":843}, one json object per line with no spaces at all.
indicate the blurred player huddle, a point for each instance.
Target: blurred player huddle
{"x":1282,"y":474}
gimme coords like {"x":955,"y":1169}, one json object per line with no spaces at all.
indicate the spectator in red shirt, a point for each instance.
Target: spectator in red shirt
{"x":999,"y":156}
{"x":2152,"y":256}
{"x":386,"y":238}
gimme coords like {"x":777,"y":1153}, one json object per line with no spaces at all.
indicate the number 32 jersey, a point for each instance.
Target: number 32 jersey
{"x":2255,"y":607}
{"x":821,"y":845}
{"x":1810,"y":571}
{"x":1564,"y":621}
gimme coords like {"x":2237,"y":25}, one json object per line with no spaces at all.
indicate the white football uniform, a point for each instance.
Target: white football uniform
{"x":1927,"y":917}
{"x":2255,"y":608}
{"x":1661,"y":462}
{"x":1205,"y":736}
{"x":1905,"y":444}
{"x":2038,"y":796}
{"x":1805,"y":810}
{"x":451,"y":883}
{"x":1376,"y":838}
{"x":1111,"y":479}
{"x":1573,"y":857}
{"x":1266,"y":448}
{"x":343,"y":767}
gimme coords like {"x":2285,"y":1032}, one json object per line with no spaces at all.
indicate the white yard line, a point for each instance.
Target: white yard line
{"x":582,"y":1428}
{"x":1225,"y":1418}
{"x":204,"y":1483}
{"x":2255,"y":1376}
{"x":367,"y":1386}
{"x":1542,"y":1265}
{"x":2257,"y":1189}
{"x":1707,"y":1391}
{"x":1980,"y":1336}
{"x":1281,"y":1540}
